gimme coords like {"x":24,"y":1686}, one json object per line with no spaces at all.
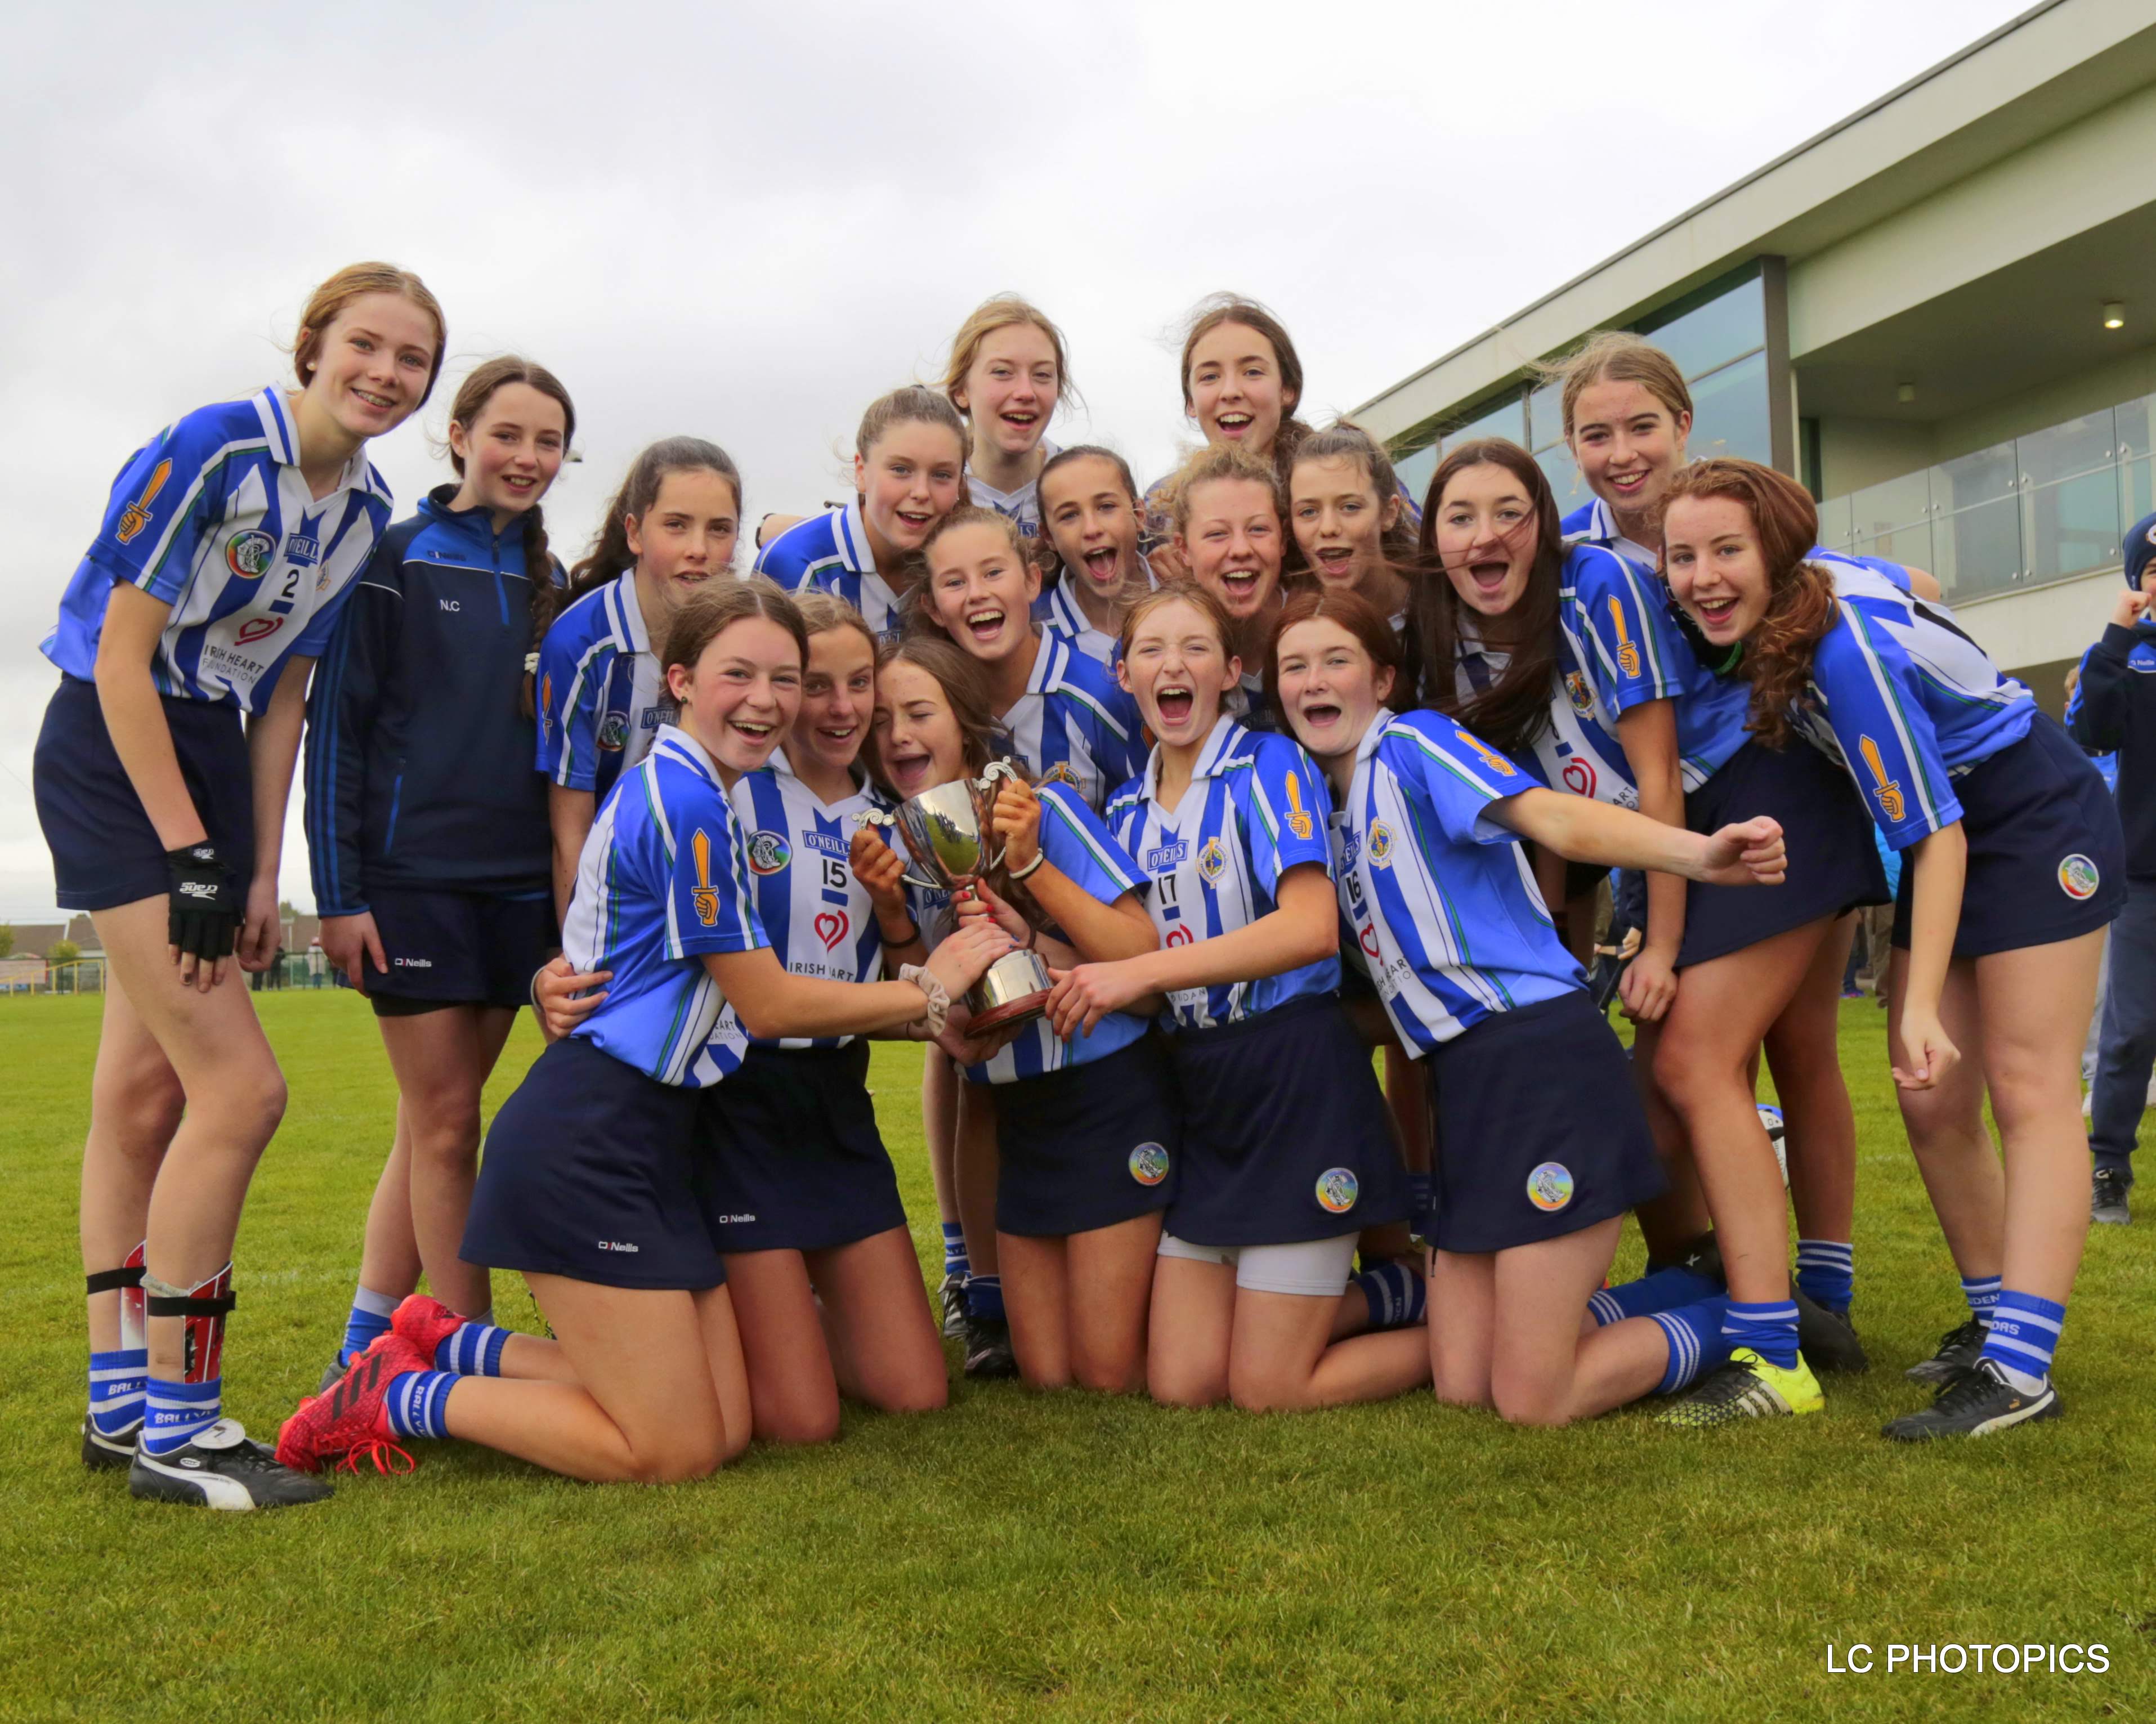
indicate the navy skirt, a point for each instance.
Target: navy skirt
{"x":1536,"y":1131}
{"x":1088,"y":1146}
{"x":790,"y":1154}
{"x":1833,"y":861}
{"x":1285,"y":1136}
{"x":106,"y":852}
{"x":2046,"y":856}
{"x":590,"y":1172}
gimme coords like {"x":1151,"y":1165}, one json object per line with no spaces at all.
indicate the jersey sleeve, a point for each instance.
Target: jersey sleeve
{"x":710,"y":901}
{"x":1287,"y":810}
{"x":1073,"y":838}
{"x":573,"y":678}
{"x":1624,"y":627}
{"x":784,"y":559}
{"x":340,"y":712}
{"x":1870,"y":701}
{"x":1115,"y":733}
{"x":163,"y":501}
{"x":1459,"y":775}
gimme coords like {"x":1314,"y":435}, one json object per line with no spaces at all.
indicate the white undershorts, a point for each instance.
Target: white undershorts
{"x":1316,"y":1268}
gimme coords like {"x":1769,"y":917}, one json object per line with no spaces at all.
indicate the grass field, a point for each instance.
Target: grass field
{"x":1023,"y":1555}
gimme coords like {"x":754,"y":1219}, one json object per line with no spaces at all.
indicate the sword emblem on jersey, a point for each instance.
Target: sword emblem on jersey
{"x":136,"y":514}
{"x":705,"y":897}
{"x":1497,"y":761}
{"x":1298,"y":820}
{"x":1887,"y":790}
{"x":1627,"y":655}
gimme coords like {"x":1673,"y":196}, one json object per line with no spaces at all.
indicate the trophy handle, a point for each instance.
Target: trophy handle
{"x":878,"y":816}
{"x":995,"y":769}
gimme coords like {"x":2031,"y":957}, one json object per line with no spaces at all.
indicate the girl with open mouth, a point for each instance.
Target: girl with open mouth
{"x":1230,"y":514}
{"x":1091,"y":512}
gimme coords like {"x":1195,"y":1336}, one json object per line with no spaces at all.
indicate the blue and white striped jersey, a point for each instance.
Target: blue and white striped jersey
{"x":820,"y":919}
{"x":1022,"y":505}
{"x":599,"y":690}
{"x":1256,"y":807}
{"x":663,"y":878}
{"x":1905,"y":702}
{"x":1074,"y":725}
{"x":1059,"y":610}
{"x":829,"y":553}
{"x":213,"y":517}
{"x":1440,"y":897}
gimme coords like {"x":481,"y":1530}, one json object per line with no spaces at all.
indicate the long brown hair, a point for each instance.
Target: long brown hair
{"x":356,"y":281}
{"x":610,"y":555}
{"x":1800,"y":603}
{"x":1210,"y":314}
{"x":965,"y":685}
{"x":471,"y":399}
{"x":1512,"y":711}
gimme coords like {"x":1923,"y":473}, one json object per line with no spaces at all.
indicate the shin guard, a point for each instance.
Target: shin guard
{"x":203,"y":1306}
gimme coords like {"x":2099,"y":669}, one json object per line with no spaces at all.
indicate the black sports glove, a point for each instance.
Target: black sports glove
{"x":205,"y":908}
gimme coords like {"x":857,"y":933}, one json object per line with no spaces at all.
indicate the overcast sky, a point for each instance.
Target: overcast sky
{"x":745,"y":221}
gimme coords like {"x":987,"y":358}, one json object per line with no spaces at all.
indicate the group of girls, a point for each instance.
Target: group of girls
{"x":1286,"y":766}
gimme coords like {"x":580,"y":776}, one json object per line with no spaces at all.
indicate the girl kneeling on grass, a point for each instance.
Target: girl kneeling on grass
{"x":1287,"y":1152}
{"x":1088,"y":1128}
{"x":2016,"y":866}
{"x":591,"y":1185}
{"x":1539,"y":1143}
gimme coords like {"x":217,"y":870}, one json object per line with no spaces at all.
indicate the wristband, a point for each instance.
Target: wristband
{"x":937,"y":1012}
{"x":1016,"y":875}
{"x":203,"y":905}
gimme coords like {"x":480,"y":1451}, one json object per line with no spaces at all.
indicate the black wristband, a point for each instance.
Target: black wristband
{"x":203,"y":905}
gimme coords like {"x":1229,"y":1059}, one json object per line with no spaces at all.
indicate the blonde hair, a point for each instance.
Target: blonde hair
{"x":355,"y":281}
{"x":1615,"y":355}
{"x":1218,"y":461}
{"x":1002,"y":310}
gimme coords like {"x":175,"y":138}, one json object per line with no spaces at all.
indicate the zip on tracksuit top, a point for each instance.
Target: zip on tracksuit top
{"x":418,"y":761}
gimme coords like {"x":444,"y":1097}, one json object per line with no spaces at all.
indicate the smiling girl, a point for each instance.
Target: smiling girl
{"x":1287,"y":1152}
{"x":909,"y":473}
{"x":593,"y":1185}
{"x":1007,"y":374}
{"x":1229,"y":534}
{"x":2015,"y":865}
{"x":1540,"y":1146}
{"x":426,"y":825}
{"x":1355,"y":531}
{"x":672,"y":526}
{"x":231,"y":542}
{"x":1090,"y":513}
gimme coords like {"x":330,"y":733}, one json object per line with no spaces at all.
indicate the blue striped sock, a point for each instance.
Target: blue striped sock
{"x":416,"y":1404}
{"x":175,"y":1414}
{"x":1770,"y":1330}
{"x":1826,"y":1271}
{"x":1394,"y":1293}
{"x":116,"y":1381}
{"x":473,"y":1351}
{"x":370,"y":1318}
{"x":955,"y":1262}
{"x":1664,"y":1290}
{"x":1982,"y":1293}
{"x":984,"y":1297}
{"x":1699,"y":1342}
{"x":2024,"y":1333}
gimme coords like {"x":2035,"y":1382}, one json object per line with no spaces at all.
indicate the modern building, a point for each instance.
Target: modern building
{"x":1940,"y":314}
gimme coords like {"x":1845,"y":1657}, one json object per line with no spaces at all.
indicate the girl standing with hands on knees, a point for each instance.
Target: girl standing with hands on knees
{"x":593,"y":1185}
{"x":2015,"y":865}
{"x":909,"y":470}
{"x":1287,"y":1151}
{"x":231,"y":542}
{"x":427,"y":827}
{"x":1540,"y":1145}
{"x":671,"y":526}
{"x":1091,"y":512}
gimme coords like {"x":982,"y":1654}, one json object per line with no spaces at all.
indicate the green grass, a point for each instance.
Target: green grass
{"x":1023,"y":1555}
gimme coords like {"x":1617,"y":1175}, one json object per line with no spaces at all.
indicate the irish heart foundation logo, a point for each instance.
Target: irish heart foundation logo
{"x":831,"y":928}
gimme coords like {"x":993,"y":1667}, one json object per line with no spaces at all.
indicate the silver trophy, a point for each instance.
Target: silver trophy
{"x":947,"y":832}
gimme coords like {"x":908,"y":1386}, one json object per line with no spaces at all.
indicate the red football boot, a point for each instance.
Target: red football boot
{"x":426,"y":1323}
{"x":351,"y":1422}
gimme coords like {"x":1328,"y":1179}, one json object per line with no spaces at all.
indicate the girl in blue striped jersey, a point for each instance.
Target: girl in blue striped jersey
{"x":2016,"y":864}
{"x":592,"y":1185}
{"x":672,"y":526}
{"x":909,"y":473}
{"x":1088,"y":1127}
{"x":1090,"y":513}
{"x":426,"y":826}
{"x":231,"y":542}
{"x":1540,"y":1144}
{"x":1288,"y":1151}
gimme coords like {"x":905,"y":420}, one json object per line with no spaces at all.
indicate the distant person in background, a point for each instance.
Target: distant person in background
{"x":2113,"y":711}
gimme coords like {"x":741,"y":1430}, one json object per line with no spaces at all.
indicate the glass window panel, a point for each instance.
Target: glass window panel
{"x":1509,"y":420}
{"x":2079,"y":446}
{"x":1715,"y":333}
{"x":2071,"y":527}
{"x":1545,"y":415}
{"x":2136,"y":490}
{"x":1834,"y":528}
{"x":1978,"y":477}
{"x":1898,"y":502}
{"x":1905,"y":545}
{"x":1414,"y":471}
{"x":2135,"y":425}
{"x":1729,"y":413}
{"x":1563,"y":473}
{"x":1978,"y":552}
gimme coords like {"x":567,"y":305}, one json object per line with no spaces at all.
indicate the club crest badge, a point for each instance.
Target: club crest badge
{"x":613,"y":732}
{"x":768,"y":852}
{"x":1212,"y":860}
{"x":1549,"y":1187}
{"x":249,"y":554}
{"x":2078,"y":877}
{"x":1381,"y":845}
{"x":1337,"y":1188}
{"x":1149,"y":1163}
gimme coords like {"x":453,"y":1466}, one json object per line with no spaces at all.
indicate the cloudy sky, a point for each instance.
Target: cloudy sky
{"x":744,"y":221}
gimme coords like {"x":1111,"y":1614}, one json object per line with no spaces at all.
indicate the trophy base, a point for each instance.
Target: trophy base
{"x":1010,"y":1012}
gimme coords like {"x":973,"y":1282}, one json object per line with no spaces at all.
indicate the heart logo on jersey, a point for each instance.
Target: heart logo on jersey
{"x":831,"y":928}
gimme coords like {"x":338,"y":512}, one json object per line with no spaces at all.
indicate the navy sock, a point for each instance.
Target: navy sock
{"x":954,"y":1250}
{"x":1664,"y":1290}
{"x":1699,"y":1342}
{"x":1826,"y":1271}
{"x":1769,"y":1330}
{"x":370,"y":1313}
{"x":1394,"y":1293}
{"x":984,"y":1297}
